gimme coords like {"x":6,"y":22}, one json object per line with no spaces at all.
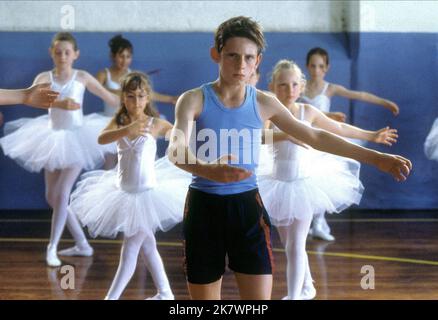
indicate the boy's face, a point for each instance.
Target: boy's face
{"x":238,"y":60}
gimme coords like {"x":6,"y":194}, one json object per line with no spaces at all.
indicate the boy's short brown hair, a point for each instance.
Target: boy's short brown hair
{"x":239,"y":27}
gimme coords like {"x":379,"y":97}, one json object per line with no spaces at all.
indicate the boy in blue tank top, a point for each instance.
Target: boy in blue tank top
{"x":224,"y":214}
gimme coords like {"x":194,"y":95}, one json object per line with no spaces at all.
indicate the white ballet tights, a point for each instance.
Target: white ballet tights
{"x":320,"y":219}
{"x":128,"y":262}
{"x":294,"y":240}
{"x":59,"y":184}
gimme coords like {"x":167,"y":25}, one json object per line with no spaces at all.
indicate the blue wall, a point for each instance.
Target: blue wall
{"x":400,"y":67}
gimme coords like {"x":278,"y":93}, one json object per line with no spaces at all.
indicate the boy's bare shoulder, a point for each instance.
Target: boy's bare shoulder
{"x":192,"y":95}
{"x":191,"y":99}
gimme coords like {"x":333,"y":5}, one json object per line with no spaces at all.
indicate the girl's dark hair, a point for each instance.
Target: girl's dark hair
{"x":132,"y":81}
{"x":65,"y":36}
{"x":320,"y":51}
{"x":118,"y":44}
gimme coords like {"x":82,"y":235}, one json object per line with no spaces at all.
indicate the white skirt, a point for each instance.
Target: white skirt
{"x":106,"y":210}
{"x":36,"y":146}
{"x":331,"y":185}
{"x":431,"y":143}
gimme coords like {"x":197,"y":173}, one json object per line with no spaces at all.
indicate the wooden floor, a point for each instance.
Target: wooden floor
{"x":401,"y":247}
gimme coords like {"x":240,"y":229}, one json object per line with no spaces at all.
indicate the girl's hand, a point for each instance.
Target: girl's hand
{"x":337,"y":116}
{"x":139,"y":127}
{"x":386,"y":136}
{"x":397,"y":166}
{"x":391,"y":106}
{"x":66,"y":104}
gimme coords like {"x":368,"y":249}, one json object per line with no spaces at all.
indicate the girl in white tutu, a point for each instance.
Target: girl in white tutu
{"x":318,"y":93}
{"x":121,"y":53}
{"x":141,"y":196}
{"x":302,"y":184}
{"x":62,"y":143}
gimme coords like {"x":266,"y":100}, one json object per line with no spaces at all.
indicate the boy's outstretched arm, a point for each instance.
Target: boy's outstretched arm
{"x":38,"y":95}
{"x":272,"y":109}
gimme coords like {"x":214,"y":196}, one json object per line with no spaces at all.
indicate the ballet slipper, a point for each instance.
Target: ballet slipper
{"x":51,"y":257}
{"x":77,"y":251}
{"x":166,"y":295}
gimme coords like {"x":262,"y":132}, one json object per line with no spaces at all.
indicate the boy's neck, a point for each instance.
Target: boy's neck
{"x":231,"y":95}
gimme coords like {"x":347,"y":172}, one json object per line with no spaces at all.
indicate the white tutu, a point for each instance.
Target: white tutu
{"x":330,"y":184}
{"x":34,"y":145}
{"x":431,"y":143}
{"x":106,"y":209}
{"x":266,"y":160}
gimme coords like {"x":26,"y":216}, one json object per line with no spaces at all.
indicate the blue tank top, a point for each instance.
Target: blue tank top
{"x":221,"y":130}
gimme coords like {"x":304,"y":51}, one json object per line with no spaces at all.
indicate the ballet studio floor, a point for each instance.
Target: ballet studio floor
{"x":394,"y":252}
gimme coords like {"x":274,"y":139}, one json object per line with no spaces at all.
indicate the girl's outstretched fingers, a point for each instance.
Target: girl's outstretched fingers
{"x":386,"y":136}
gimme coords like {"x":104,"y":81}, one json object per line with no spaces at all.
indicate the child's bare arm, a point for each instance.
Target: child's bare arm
{"x":97,"y":89}
{"x":164,"y":98}
{"x":38,"y":95}
{"x":385,"y":136}
{"x":113,"y":132}
{"x":365,"y":96}
{"x":272,"y":109}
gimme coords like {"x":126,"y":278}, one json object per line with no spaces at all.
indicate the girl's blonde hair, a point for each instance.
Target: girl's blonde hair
{"x":132,"y":81}
{"x":285,"y":64}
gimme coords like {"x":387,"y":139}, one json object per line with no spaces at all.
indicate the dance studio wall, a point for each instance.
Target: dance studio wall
{"x":393,"y":56}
